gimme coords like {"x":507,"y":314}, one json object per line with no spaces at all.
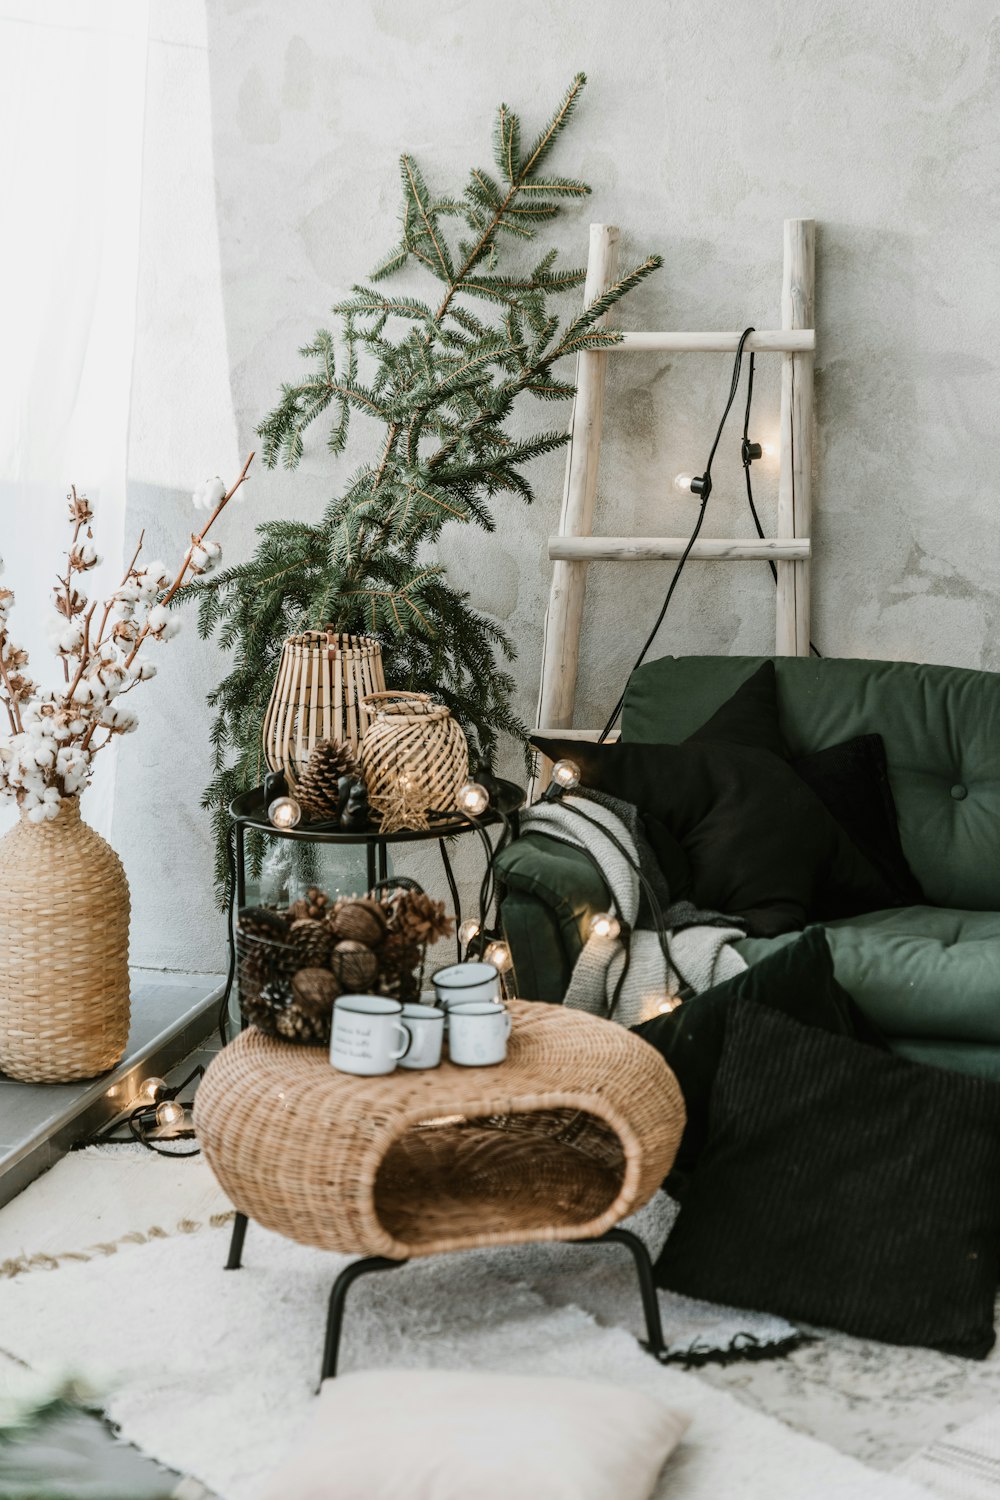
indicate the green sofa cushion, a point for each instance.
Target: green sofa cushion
{"x":940,"y":725}
{"x":917,"y":971}
{"x":551,"y":892}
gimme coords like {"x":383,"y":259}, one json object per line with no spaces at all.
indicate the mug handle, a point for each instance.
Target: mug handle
{"x":404,"y":1049}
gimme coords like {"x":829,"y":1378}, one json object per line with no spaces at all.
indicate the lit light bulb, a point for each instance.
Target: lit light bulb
{"x":498,"y":954}
{"x":669,"y":1003}
{"x":150,"y":1090}
{"x":566,"y":773}
{"x":769,"y":450}
{"x":284,"y":812}
{"x":473,"y":798}
{"x":683,"y":482}
{"x":169,"y":1113}
{"x":605,"y":925}
{"x":468,"y":930}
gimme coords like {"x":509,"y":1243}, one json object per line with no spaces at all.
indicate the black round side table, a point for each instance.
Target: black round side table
{"x":249,"y":812}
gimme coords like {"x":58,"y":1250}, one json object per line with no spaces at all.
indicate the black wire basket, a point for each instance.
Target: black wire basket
{"x":282,"y":995}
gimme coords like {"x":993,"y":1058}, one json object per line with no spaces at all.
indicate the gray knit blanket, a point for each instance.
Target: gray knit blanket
{"x":632,"y":977}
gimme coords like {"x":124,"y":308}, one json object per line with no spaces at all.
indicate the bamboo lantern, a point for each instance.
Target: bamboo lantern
{"x":320,"y":693}
{"x":412,"y":736}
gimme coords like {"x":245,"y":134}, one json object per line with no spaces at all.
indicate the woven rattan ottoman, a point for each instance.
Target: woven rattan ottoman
{"x":574,"y":1132}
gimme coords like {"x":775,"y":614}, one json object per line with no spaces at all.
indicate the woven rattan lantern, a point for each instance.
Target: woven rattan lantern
{"x":411,"y":736}
{"x":320,"y":693}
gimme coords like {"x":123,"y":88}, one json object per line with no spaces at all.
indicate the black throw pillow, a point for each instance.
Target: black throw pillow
{"x":844,"y":1187}
{"x":797,"y":980}
{"x":760,"y":844}
{"x":852,"y":781}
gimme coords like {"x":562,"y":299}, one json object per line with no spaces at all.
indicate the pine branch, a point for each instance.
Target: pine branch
{"x":442,"y":381}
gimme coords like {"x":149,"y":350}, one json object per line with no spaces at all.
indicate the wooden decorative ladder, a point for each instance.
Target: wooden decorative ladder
{"x":575,"y":547}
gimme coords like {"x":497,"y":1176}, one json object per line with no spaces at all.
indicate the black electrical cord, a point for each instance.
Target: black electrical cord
{"x":750,"y":451}
{"x":705,"y":492}
{"x":223,"y":1018}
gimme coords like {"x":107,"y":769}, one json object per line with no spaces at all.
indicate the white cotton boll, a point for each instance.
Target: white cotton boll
{"x":208,"y":495}
{"x":83,"y":692}
{"x":76,"y":726}
{"x":124,"y":608}
{"x":89,"y":555}
{"x":43,"y":756}
{"x":156,"y":573}
{"x":38,"y":814}
{"x":147,"y":670}
{"x":171,"y":629}
{"x":157,"y":618}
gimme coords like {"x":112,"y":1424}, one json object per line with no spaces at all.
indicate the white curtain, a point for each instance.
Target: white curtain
{"x":72,"y":93}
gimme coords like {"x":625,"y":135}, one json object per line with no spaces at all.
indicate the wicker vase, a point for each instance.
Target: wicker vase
{"x":411,"y":734}
{"x":64,"y":982}
{"x":319,"y":694}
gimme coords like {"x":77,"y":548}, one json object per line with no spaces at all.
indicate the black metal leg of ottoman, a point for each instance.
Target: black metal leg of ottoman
{"x":647,"y":1286}
{"x":338,"y":1298}
{"x":236,"y":1242}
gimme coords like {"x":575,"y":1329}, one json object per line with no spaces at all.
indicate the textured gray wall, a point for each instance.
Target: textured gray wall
{"x":703,"y":126}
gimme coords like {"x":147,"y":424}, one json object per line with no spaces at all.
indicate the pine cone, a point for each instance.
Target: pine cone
{"x":312,"y":941}
{"x":400,"y":960}
{"x":360,"y":919}
{"x":313,"y":994}
{"x":318,"y":792}
{"x":419,"y":918}
{"x":261,"y":921}
{"x":354,"y":966}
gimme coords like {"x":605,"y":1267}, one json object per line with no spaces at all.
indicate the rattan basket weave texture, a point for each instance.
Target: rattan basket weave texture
{"x":64,"y":980}
{"x":411,"y":735}
{"x":319,"y":694}
{"x":575,"y":1131}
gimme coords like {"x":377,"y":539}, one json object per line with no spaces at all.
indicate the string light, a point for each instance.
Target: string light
{"x":170,"y":1112}
{"x":694,"y":484}
{"x":669,"y":1003}
{"x":150,"y":1090}
{"x":498,"y":954}
{"x":284,"y":812}
{"x":473,"y":799}
{"x":468,"y":930}
{"x":605,"y":925}
{"x":566,"y":773}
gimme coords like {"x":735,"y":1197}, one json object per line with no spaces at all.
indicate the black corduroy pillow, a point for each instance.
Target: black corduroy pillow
{"x":852,"y":781}
{"x":844,"y":1187}
{"x":760,"y":844}
{"x":797,"y":980}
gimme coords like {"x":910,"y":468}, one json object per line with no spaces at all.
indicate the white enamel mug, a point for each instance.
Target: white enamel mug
{"x":458,"y":984}
{"x":477,"y":1033}
{"x":368,"y":1035}
{"x":425,"y":1024}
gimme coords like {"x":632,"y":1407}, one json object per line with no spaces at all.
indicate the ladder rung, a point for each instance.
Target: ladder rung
{"x":765,"y":341}
{"x":591,"y":735}
{"x":658,"y":548}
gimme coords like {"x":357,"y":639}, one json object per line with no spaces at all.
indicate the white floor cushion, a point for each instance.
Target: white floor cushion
{"x":444,"y":1435}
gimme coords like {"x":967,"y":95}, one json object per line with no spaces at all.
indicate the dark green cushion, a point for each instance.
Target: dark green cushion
{"x":918,"y":971}
{"x":940,"y":725}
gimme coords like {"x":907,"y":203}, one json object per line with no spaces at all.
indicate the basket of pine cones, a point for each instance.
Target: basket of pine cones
{"x":293,"y":963}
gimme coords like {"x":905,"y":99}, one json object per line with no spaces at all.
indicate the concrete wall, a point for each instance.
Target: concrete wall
{"x":704,"y":124}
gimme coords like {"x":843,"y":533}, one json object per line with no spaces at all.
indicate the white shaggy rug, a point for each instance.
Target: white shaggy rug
{"x":964,"y":1464}
{"x":213,"y":1370}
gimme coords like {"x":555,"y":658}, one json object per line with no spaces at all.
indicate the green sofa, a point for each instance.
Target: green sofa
{"x":928,"y":976}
